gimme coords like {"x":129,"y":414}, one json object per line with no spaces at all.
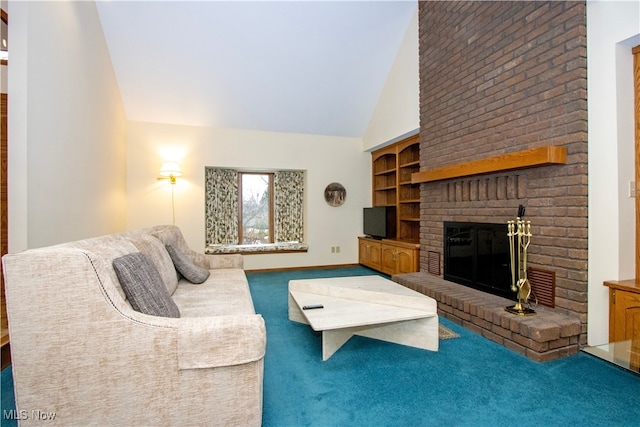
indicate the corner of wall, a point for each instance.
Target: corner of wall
{"x":397,"y":112}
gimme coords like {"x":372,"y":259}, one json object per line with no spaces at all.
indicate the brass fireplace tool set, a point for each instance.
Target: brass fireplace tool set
{"x":519,"y":233}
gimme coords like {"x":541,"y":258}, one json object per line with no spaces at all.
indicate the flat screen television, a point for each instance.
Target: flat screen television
{"x":375,"y":222}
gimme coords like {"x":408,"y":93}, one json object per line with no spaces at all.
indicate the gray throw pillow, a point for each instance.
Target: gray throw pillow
{"x":143,"y":286}
{"x":186,"y":267}
{"x":154,"y":249}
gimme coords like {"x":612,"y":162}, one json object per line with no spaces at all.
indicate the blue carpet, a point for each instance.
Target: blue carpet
{"x":6,"y":398}
{"x":471,"y":381}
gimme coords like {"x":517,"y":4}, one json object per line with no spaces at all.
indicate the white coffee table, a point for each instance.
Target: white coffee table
{"x":369,"y":306}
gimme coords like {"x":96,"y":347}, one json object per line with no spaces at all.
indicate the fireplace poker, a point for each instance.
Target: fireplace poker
{"x":511,"y":234}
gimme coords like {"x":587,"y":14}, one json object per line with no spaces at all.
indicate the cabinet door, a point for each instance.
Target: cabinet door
{"x":369,"y":254}
{"x":630,"y":308}
{"x":626,"y":316}
{"x":389,"y":259}
{"x":406,"y":260}
{"x":375,"y":256}
{"x":363,"y":253}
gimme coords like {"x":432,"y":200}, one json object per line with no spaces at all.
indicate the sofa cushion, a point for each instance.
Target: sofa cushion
{"x":225,"y":292}
{"x":186,"y":267}
{"x":143,"y":285}
{"x":155,"y":250}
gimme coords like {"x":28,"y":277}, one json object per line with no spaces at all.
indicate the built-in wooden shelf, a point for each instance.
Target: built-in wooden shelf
{"x":385,"y":172}
{"x":392,"y":167}
{"x":534,"y":157}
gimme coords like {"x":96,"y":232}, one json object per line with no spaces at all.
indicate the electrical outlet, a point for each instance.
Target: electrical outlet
{"x":337,"y":249}
{"x":632,"y":189}
{"x":333,"y":249}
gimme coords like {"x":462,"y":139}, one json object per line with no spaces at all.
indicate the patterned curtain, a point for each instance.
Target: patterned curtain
{"x":221,"y":206}
{"x":288,"y":206}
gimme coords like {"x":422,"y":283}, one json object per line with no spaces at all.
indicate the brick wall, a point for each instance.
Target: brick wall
{"x":499,"y":77}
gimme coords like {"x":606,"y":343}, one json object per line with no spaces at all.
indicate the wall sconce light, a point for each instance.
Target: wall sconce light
{"x":170,"y":170}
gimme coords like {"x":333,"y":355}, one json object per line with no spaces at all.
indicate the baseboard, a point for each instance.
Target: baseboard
{"x":311,"y":267}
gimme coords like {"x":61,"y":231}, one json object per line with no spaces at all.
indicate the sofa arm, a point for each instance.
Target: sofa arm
{"x":209,"y":342}
{"x":225,"y":261}
{"x":213,"y":262}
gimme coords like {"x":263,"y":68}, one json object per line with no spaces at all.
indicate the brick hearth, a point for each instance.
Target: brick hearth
{"x":548,"y":335}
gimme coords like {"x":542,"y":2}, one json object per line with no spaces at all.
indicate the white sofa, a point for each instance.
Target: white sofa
{"x":82,"y":353}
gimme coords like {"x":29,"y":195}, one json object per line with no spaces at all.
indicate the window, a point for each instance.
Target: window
{"x":254,"y":211}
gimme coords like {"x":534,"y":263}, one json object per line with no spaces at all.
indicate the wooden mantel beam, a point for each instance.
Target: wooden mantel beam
{"x":534,"y":157}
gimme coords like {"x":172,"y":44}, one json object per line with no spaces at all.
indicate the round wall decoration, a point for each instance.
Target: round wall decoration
{"x":335,"y":194}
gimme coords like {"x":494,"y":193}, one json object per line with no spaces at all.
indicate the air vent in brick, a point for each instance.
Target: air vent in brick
{"x":543,"y":286}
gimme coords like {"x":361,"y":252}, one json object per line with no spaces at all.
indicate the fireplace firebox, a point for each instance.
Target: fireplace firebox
{"x":477,"y":255}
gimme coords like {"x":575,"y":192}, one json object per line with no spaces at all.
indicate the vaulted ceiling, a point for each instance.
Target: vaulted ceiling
{"x":315,"y":67}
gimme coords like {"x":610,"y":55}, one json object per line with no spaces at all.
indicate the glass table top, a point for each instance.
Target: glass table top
{"x":625,"y":354}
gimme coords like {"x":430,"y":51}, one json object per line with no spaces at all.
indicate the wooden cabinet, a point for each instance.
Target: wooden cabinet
{"x":389,"y":256}
{"x":397,"y":260}
{"x":624,"y":310}
{"x":392,"y":167}
{"x":370,"y":253}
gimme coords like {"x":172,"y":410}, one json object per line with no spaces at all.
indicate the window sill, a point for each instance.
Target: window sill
{"x":256,"y":249}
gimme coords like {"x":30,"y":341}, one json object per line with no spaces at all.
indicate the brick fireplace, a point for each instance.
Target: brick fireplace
{"x":497,"y":78}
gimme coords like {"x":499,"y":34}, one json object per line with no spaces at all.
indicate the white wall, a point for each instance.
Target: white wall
{"x":326,"y":160}
{"x":397,"y":113}
{"x":66,"y":127}
{"x":612,"y":29}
